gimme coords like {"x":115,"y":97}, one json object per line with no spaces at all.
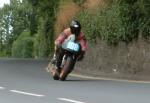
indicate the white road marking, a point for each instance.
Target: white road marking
{"x":69,"y":100}
{"x":2,"y":88}
{"x":109,"y":79}
{"x":26,"y":93}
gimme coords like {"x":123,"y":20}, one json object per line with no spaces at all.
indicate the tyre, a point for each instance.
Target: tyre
{"x":68,"y":67}
{"x":52,"y":70}
{"x":55,"y":77}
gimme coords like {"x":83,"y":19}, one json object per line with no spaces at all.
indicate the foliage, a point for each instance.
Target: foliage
{"x":47,"y":10}
{"x":23,"y":15}
{"x":79,"y":2}
{"x":144,"y":11}
{"x":136,"y":17}
{"x":13,"y":21}
{"x":23,"y":46}
{"x":5,"y":31}
{"x":120,"y":20}
{"x":105,"y":24}
{"x":40,"y":46}
{"x":20,"y":14}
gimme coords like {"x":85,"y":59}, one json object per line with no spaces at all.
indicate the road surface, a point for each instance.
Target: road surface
{"x":26,"y":81}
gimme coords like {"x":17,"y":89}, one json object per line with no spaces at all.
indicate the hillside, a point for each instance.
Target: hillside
{"x":69,"y":9}
{"x":123,"y":60}
{"x":117,"y":31}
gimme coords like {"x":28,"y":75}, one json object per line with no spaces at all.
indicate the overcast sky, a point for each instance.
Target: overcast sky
{"x":4,"y":1}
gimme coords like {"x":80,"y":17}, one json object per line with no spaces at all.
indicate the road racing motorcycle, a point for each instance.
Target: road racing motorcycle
{"x":72,"y":49}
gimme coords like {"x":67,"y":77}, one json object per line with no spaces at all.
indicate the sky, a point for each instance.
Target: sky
{"x":2,"y":2}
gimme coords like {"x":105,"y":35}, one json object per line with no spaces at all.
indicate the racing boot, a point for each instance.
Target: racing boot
{"x":55,"y":63}
{"x":58,"y":70}
{"x":54,"y":60}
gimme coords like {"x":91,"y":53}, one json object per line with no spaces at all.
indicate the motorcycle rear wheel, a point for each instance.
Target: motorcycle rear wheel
{"x":55,"y":77}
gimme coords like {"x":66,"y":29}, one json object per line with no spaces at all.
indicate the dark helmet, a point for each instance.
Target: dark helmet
{"x":75,"y":27}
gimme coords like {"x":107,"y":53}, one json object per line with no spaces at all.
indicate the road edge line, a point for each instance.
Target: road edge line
{"x":108,"y":79}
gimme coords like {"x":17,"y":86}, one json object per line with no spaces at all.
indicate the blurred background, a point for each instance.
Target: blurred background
{"x":117,"y":31}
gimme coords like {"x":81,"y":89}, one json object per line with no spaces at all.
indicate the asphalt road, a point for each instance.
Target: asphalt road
{"x":26,"y":81}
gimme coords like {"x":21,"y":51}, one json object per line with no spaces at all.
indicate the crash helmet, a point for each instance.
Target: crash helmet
{"x":75,"y":27}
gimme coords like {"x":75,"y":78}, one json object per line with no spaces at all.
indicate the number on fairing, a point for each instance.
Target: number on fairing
{"x":73,"y":46}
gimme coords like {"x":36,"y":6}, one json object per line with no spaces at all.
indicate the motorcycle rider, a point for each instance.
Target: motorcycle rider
{"x":75,"y":29}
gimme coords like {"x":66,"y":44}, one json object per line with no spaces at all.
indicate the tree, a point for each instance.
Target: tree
{"x":38,"y":17}
{"x":14,"y":20}
{"x":23,"y":46}
{"x":46,"y":18}
{"x":5,"y":30}
{"x":20,"y":16}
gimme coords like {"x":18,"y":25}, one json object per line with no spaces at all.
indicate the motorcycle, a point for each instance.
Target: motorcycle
{"x":72,"y":49}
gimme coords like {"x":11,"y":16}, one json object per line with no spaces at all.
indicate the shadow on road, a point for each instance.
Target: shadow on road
{"x":83,"y":80}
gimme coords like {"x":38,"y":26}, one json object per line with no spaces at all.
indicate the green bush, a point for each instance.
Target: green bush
{"x":40,"y":46}
{"x":79,"y":2}
{"x":103,"y":23}
{"x":23,"y":46}
{"x":3,"y":54}
{"x":135,"y":15}
{"x":40,"y":42}
{"x":120,"y":20}
{"x":144,"y":17}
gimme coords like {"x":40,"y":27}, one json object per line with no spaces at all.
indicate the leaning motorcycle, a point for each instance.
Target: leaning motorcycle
{"x":72,"y":49}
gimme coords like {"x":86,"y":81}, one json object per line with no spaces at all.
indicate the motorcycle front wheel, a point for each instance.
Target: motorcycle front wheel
{"x":68,"y":67}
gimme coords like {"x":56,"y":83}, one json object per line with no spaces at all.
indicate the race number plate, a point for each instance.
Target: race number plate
{"x":73,"y":46}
